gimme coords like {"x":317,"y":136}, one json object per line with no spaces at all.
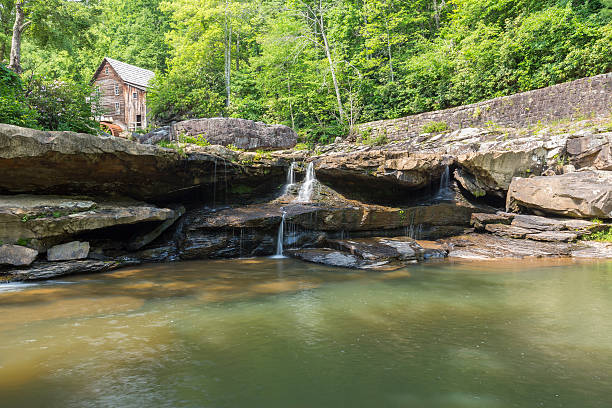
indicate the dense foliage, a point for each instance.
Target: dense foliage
{"x":319,"y":65}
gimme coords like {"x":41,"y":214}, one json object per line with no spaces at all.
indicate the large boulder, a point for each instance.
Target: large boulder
{"x":591,"y":151}
{"x":493,"y":171}
{"x":583,"y":194}
{"x":241,"y":133}
{"x":69,"y":251}
{"x":17,"y":255}
{"x":39,"y":162}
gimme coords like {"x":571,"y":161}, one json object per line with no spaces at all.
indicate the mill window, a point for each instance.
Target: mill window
{"x":116,"y":89}
{"x":106,"y":70}
{"x":117,"y":107}
{"x":135,"y":95}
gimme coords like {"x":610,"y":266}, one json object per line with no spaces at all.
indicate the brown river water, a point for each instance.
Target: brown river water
{"x":282,"y":333}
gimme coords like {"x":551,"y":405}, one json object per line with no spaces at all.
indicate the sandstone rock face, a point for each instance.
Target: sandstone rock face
{"x":38,"y":162}
{"x":242,"y":133}
{"x":494,"y":170}
{"x":17,"y":255}
{"x":49,"y":220}
{"x":69,"y":251}
{"x":364,"y":169}
{"x":583,"y":194}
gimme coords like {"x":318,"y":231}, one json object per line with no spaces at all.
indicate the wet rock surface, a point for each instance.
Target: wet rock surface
{"x":50,"y":270}
{"x":372,"y":253}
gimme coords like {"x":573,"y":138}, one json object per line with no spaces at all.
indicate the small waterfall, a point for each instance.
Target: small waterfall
{"x":291,"y":174}
{"x":280,"y":237}
{"x":290,"y":178}
{"x":305,"y":193}
{"x":444,"y":191}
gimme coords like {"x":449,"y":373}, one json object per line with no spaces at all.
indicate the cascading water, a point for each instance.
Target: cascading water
{"x":305,"y":193}
{"x":290,"y":178}
{"x":280,"y":237}
{"x":444,"y":191}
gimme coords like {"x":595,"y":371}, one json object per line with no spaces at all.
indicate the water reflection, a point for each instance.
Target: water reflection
{"x":279,"y":333}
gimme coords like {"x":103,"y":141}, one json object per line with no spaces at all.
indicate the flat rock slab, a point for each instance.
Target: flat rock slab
{"x":594,"y":250}
{"x":480,"y":220}
{"x":57,"y":218}
{"x":17,"y":255}
{"x":69,"y":251}
{"x":553,"y":236}
{"x":487,"y":246}
{"x":50,"y":270}
{"x":509,"y":231}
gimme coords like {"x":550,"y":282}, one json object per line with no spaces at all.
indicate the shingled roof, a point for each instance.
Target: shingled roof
{"x":130,"y":74}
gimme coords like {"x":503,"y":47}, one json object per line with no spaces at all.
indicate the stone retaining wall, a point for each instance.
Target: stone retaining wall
{"x":570,"y":100}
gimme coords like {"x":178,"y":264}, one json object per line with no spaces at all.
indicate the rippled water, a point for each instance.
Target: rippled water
{"x":279,"y":333}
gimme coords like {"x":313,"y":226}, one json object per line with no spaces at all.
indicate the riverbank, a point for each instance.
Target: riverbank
{"x":76,"y":203}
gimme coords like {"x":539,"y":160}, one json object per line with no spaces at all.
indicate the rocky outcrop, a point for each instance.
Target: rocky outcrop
{"x":38,"y":162}
{"x":17,"y":255}
{"x":381,"y":169}
{"x":583,"y":194}
{"x":43,"y":221}
{"x":241,"y":133}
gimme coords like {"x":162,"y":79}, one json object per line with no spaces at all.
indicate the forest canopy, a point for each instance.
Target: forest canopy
{"x":319,"y":66}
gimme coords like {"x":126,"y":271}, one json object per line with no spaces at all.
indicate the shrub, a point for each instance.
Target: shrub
{"x":435,"y":127}
{"x":301,"y":146}
{"x":378,"y":140}
{"x":14,"y":109}
{"x":600,"y":236}
{"x":62,"y":106}
{"x":199,"y":140}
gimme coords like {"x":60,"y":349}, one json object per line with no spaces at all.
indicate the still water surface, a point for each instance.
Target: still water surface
{"x":280,"y":333}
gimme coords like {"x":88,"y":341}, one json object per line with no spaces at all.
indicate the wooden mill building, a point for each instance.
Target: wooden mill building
{"x":122,"y":92}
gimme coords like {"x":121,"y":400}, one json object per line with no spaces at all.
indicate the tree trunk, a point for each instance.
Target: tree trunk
{"x":18,"y":28}
{"x":228,"y":55}
{"x":436,"y":14}
{"x":389,"y":51}
{"x":290,"y":102}
{"x":237,"y":57}
{"x":331,"y":67}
